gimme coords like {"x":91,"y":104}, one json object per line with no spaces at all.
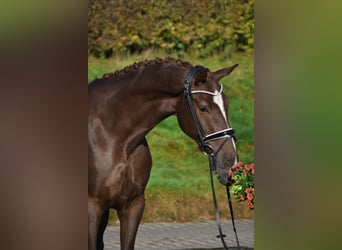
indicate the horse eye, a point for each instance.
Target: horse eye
{"x":203,"y":109}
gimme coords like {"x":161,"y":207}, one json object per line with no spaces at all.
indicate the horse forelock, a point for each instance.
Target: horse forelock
{"x":146,"y":63}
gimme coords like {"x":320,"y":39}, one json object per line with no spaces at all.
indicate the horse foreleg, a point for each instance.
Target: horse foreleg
{"x":94,"y":216}
{"x":130,"y":217}
{"x":101,"y":230}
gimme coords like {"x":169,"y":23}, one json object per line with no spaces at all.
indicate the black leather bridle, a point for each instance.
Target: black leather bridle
{"x":203,"y":139}
{"x":225,"y":134}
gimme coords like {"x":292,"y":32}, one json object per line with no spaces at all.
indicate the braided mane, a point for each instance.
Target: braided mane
{"x":146,"y":63}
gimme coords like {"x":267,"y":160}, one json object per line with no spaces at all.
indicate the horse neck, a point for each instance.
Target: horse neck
{"x":140,"y":101}
{"x":156,"y":93}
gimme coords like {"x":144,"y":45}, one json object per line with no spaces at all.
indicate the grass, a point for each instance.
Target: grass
{"x":179,"y":186}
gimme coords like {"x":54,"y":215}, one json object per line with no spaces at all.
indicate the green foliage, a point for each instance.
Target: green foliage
{"x":242,"y":21}
{"x":207,"y":27}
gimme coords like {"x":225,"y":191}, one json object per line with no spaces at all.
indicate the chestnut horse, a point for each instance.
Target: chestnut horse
{"x":123,"y":107}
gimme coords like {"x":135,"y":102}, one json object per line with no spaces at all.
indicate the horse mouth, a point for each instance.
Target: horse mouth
{"x":225,"y":174}
{"x":224,"y":178}
{"x":231,"y":181}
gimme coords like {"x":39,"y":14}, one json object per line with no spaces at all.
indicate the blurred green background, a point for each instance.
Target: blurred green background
{"x":298,"y":124}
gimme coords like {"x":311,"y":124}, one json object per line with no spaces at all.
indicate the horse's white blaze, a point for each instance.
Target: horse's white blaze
{"x":218,"y":99}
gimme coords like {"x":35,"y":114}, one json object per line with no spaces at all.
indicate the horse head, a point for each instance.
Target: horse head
{"x":203,"y":116}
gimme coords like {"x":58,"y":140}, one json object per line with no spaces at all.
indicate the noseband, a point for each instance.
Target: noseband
{"x":203,"y":139}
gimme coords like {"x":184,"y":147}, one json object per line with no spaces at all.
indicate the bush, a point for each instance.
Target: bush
{"x":207,"y":27}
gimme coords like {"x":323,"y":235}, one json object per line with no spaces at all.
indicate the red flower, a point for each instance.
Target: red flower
{"x":250,"y":197}
{"x":247,"y":167}
{"x":230,"y":173}
{"x":242,"y":197}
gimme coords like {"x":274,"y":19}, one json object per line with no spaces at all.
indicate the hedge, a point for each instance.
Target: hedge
{"x":207,"y":27}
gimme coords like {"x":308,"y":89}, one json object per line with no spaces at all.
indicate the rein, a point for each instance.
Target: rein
{"x":217,"y":212}
{"x":203,"y":144}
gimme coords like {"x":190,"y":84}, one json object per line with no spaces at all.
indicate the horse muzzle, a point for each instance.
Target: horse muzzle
{"x":223,"y":177}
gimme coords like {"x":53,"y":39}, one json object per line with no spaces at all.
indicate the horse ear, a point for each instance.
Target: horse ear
{"x":201,"y":77}
{"x":217,"y":75}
